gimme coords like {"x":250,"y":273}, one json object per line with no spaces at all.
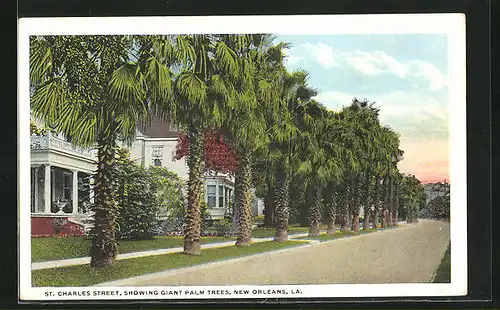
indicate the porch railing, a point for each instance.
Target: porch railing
{"x":49,"y":141}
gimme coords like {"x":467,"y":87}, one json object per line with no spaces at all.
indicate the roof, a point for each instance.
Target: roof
{"x":158,"y":128}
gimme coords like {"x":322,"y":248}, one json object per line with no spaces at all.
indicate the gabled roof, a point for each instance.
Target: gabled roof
{"x":158,"y":128}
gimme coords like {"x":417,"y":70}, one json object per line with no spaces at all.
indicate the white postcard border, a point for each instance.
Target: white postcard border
{"x":451,"y":24}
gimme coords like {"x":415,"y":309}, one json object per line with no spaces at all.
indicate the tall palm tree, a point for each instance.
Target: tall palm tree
{"x":202,"y":91}
{"x":253,"y":101}
{"x":314,"y":168}
{"x":93,"y":90}
{"x":285,"y":138}
{"x":392,"y":153}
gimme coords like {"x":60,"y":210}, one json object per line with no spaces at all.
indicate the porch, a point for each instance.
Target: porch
{"x":61,"y":186}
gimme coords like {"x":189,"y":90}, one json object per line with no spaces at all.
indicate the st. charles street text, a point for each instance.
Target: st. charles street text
{"x":174,"y":292}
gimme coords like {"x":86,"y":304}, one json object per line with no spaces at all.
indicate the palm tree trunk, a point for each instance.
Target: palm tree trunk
{"x":367,"y":203}
{"x":268,"y":209}
{"x":366,"y":217}
{"x":384,"y":219}
{"x":192,"y":228}
{"x":396,"y":216}
{"x":391,"y":202}
{"x":355,"y":204}
{"x":243,"y":199}
{"x":375,"y":217}
{"x":331,"y":214}
{"x":384,"y":201}
{"x":344,"y":214}
{"x":282,"y":209}
{"x":315,"y":214}
{"x":355,"y":222}
{"x":104,"y":249}
{"x":376,"y":202}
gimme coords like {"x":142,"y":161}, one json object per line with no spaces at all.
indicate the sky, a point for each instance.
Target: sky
{"x":405,"y":75}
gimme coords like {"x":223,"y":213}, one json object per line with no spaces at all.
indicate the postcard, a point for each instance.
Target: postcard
{"x":226,"y":157}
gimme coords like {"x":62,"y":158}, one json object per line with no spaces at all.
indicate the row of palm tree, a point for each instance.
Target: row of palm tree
{"x":95,"y":89}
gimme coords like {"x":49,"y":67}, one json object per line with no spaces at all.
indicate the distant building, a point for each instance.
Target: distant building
{"x":434,"y":190}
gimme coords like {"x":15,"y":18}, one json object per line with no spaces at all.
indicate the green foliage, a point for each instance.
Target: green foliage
{"x":437,"y":208}
{"x":223,"y":227}
{"x":36,"y":131}
{"x":258,"y":220}
{"x":205,"y":216}
{"x":145,"y":197}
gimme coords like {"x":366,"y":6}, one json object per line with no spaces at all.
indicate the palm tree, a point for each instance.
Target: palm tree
{"x":392,"y":153}
{"x":93,"y":90}
{"x":315,"y":167}
{"x":253,"y":101}
{"x":285,"y":136}
{"x":202,"y":91}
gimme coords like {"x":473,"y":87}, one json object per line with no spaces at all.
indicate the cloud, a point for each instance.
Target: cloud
{"x":378,"y":63}
{"x":413,"y":114}
{"x":374,"y":63}
{"x":291,"y":60}
{"x":429,"y":72}
{"x":322,"y":53}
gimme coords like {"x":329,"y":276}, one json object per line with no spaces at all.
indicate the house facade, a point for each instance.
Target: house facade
{"x":61,"y":185}
{"x":59,"y":173}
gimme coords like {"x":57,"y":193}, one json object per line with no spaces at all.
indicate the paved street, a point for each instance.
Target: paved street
{"x":405,"y":255}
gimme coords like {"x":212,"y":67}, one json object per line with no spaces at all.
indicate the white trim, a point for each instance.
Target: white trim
{"x":50,"y":215}
{"x":59,"y":152}
{"x":74,"y":192}
{"x":63,"y":166}
{"x":156,"y":139}
{"x":47,"y":192}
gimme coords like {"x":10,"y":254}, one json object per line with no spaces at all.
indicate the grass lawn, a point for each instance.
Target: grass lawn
{"x":443,"y":273}
{"x":85,"y":275}
{"x":53,"y":248}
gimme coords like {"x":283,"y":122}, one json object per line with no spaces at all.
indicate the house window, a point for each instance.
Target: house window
{"x":67,"y":185}
{"x":157,"y":155}
{"x":211,"y":196}
{"x":221,"y":196}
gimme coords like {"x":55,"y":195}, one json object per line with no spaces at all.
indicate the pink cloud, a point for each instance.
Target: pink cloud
{"x":427,"y":159}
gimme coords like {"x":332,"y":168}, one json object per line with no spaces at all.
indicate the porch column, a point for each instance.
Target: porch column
{"x":36,"y":189}
{"x":216,"y":194}
{"x":74,"y":192}
{"x":47,"y":182}
{"x":91,"y":189}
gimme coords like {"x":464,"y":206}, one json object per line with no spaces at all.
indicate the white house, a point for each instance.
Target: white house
{"x":60,"y":174}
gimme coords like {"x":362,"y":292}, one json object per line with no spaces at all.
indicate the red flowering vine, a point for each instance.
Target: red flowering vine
{"x":219,"y":156}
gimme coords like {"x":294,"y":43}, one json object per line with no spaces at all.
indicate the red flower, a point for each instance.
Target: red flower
{"x":219,"y":156}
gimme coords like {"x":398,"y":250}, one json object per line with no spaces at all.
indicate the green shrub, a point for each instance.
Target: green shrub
{"x":145,"y":197}
{"x":223,"y":227}
{"x":258,"y":220}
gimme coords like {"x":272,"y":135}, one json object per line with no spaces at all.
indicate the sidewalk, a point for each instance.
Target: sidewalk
{"x":86,"y":260}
